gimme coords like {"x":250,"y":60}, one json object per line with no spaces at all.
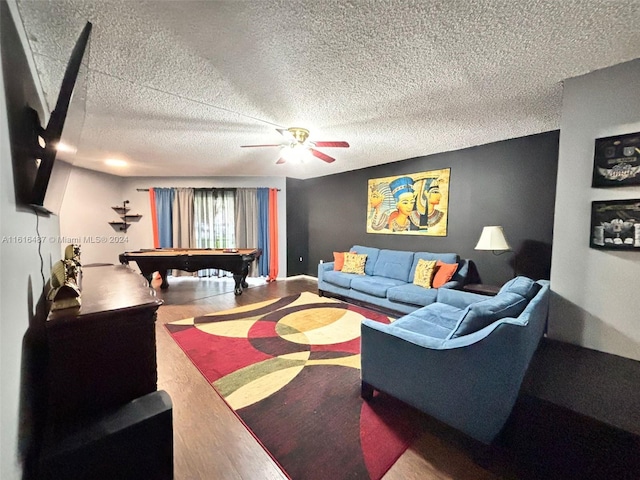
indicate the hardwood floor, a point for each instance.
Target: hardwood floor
{"x":210,"y":442}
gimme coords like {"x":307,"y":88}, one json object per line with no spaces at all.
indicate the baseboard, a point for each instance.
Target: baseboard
{"x":298,"y":277}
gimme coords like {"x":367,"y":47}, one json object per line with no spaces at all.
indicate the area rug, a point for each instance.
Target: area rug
{"x":290,"y":369}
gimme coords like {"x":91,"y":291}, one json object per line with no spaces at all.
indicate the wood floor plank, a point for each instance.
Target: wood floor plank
{"x":210,"y":442}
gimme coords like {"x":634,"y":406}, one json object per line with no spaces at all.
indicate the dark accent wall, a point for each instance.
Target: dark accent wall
{"x":297,"y":228}
{"x":510,"y":183}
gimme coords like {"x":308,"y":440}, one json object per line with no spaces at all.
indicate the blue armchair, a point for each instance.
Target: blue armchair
{"x":462,"y":359}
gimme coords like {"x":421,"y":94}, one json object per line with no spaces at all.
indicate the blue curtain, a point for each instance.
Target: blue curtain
{"x":164,"y":208}
{"x":263,"y":231}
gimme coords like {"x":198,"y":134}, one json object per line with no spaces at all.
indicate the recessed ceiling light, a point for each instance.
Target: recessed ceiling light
{"x":114,"y":162}
{"x":63,"y":147}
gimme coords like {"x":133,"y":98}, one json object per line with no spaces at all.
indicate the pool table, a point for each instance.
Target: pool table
{"x":160,"y":260}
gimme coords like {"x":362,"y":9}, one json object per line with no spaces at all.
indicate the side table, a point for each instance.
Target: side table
{"x":482,"y":289}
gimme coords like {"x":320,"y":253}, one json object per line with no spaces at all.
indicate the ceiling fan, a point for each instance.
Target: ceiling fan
{"x":297,"y":145}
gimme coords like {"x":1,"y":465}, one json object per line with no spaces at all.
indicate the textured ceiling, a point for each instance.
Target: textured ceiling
{"x":175,"y":87}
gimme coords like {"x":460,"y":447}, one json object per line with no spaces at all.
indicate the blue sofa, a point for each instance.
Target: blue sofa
{"x":461,"y":359}
{"x":388,"y":279}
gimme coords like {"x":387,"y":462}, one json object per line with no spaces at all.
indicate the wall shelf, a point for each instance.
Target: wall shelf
{"x":121,"y":210}
{"x":120,"y":226}
{"x":125,"y":218}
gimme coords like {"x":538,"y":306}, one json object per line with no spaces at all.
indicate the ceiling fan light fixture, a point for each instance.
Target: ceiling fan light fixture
{"x":300,"y":135}
{"x":298,"y":148}
{"x":296,"y":152}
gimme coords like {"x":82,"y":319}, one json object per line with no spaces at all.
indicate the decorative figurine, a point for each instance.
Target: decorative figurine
{"x":65,"y":280}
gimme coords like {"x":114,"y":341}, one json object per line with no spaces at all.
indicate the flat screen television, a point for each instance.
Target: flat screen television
{"x":47,"y":176}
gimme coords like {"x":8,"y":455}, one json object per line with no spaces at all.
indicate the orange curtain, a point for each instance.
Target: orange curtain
{"x":273,"y":234}
{"x":154,"y":218}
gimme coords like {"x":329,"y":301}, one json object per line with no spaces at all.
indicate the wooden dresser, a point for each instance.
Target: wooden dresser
{"x":102,"y":354}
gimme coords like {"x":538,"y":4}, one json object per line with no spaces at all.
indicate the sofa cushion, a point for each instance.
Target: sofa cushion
{"x":425,"y":270}
{"x":374,"y":285}
{"x":441,"y":313}
{"x":394,"y":264}
{"x":412,"y":294}
{"x":354,"y":263}
{"x":521,"y":285}
{"x":479,"y":315}
{"x":372,"y":257}
{"x":444,"y":257}
{"x":339,"y":279}
{"x":444,"y":273}
{"x":436,"y":320}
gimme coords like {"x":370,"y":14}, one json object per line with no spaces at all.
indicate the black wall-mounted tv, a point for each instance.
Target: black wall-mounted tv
{"x":44,"y":178}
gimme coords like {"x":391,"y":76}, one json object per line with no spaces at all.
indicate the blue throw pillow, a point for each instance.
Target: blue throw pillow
{"x":484,"y":313}
{"x":522,"y":286}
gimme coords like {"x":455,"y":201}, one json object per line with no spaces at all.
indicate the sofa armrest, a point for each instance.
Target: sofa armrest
{"x":324,"y":267}
{"x":458,"y":298}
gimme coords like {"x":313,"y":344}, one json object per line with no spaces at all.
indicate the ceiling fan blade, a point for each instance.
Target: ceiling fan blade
{"x":331,"y":144}
{"x":247,"y":146}
{"x":285,"y":133}
{"x":322,"y":156}
{"x":280,"y":161}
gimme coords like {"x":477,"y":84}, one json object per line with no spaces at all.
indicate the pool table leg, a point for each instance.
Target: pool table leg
{"x":239,"y":279}
{"x":165,"y":283}
{"x":149,"y":277}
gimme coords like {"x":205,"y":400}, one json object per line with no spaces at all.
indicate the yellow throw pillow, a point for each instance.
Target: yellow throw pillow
{"x":425,"y":271}
{"x":354,"y":263}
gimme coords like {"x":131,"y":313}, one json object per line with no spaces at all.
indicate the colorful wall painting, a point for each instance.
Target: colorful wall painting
{"x":413,"y":204}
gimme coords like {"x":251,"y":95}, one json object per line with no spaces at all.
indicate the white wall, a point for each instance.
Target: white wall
{"x":21,"y":286}
{"x":86,"y":212}
{"x":140,"y":234}
{"x":596,"y":302}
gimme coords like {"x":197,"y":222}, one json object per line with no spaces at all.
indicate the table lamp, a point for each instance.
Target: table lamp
{"x":492,"y":238}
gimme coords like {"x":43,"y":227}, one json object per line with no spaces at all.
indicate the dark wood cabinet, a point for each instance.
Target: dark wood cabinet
{"x":102,"y":354}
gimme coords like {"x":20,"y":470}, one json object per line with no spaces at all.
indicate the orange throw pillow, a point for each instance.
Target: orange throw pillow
{"x":444,"y":273}
{"x":338,"y":259}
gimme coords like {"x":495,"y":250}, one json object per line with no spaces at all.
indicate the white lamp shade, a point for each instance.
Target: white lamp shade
{"x":492,"y":238}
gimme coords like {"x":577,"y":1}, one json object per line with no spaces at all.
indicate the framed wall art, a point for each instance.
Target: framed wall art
{"x":615,"y":224}
{"x":616,"y":161}
{"x":412,"y":204}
